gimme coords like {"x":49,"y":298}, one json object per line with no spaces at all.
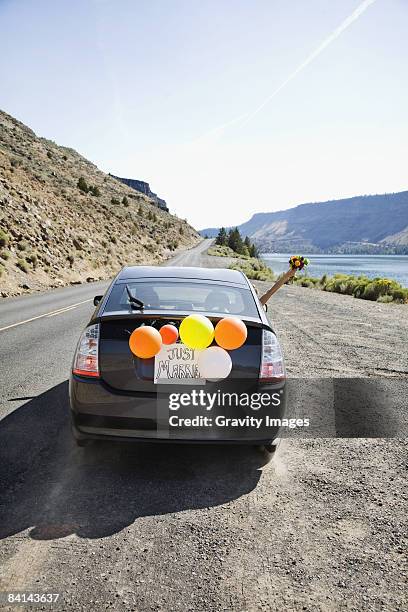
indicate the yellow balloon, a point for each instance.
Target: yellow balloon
{"x":196,"y":331}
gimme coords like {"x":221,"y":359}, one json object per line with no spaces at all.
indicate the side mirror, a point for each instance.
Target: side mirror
{"x":265,"y":307}
{"x":97,"y":299}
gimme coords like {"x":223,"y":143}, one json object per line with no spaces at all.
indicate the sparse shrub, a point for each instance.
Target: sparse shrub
{"x":125,"y":201}
{"x":22,"y":264}
{"x":360,"y":284}
{"x":113,"y":239}
{"x":377,"y":288}
{"x":253,"y":268}
{"x":140,"y":211}
{"x":71,"y":259}
{"x":49,"y":154}
{"x":82,"y":185}
{"x":305,"y":281}
{"x":22,"y":245}
{"x":15,"y":163}
{"x":65,"y":157}
{"x":32,"y":258}
{"x":5,"y":255}
{"x":95,"y":191}
{"x":399,"y":295}
{"x":314,"y":279}
{"x":224,"y":251}
{"x":181,"y":230}
{"x":104,"y":243}
{"x":114,"y":201}
{"x":333,"y":284}
{"x":172,"y":245}
{"x":385,"y":299}
{"x":152,"y":216}
{"x":4,"y":238}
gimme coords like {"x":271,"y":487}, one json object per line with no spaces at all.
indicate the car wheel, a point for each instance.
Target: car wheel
{"x":271,"y":447}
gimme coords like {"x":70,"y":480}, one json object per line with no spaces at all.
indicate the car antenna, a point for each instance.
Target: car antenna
{"x":133,"y":300}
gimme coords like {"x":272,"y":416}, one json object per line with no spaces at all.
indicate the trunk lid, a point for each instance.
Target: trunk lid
{"x":124,"y":372}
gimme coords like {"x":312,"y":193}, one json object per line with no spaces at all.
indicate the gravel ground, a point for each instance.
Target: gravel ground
{"x":322,"y":526}
{"x":337,"y":335}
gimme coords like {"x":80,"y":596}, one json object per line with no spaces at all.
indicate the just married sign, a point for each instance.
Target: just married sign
{"x":176,"y":362}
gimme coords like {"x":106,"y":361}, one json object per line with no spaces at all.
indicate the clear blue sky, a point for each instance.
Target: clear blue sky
{"x":139,"y":86}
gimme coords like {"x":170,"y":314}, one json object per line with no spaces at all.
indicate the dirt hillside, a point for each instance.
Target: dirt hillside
{"x":64,"y":221}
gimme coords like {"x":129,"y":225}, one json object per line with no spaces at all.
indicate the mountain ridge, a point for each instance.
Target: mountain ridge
{"x":371,"y":221}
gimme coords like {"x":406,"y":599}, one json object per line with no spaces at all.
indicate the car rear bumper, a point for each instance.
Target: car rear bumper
{"x":100,"y":413}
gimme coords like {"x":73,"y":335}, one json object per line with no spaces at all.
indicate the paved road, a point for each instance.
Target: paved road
{"x":152,"y":527}
{"x":39,"y":332}
{"x":192,"y":257}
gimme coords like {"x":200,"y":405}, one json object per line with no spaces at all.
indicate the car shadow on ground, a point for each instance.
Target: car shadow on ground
{"x":54,"y":489}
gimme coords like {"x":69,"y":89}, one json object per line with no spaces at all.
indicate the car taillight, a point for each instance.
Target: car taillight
{"x":86,"y":360}
{"x":272,"y":364}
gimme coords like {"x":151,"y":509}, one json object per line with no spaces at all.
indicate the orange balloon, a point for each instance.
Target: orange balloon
{"x":230,"y":333}
{"x":145,"y":342}
{"x":169,"y":333}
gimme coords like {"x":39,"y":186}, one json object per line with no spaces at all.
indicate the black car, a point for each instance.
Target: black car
{"x":115,"y":395}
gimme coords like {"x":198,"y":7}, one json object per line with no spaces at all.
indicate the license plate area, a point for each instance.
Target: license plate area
{"x":176,"y":363}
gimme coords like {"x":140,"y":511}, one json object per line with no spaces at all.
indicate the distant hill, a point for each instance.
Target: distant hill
{"x":373,"y":223}
{"x":64,"y":221}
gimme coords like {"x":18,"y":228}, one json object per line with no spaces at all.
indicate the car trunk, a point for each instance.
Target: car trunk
{"x":124,"y":372}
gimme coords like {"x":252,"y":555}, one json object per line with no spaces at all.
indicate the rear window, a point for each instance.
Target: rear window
{"x":184,"y":296}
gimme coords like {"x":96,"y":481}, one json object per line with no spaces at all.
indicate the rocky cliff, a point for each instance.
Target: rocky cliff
{"x":64,"y":221}
{"x":143,"y":187}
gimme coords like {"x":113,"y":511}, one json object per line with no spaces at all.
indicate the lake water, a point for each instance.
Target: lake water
{"x":387,"y":266}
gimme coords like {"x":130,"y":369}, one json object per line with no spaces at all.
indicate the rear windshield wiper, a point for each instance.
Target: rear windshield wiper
{"x":134,"y":302}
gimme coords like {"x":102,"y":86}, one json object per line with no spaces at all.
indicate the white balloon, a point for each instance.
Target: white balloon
{"x":214,"y":363}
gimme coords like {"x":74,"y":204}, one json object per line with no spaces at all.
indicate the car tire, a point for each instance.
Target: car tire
{"x":271,"y":447}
